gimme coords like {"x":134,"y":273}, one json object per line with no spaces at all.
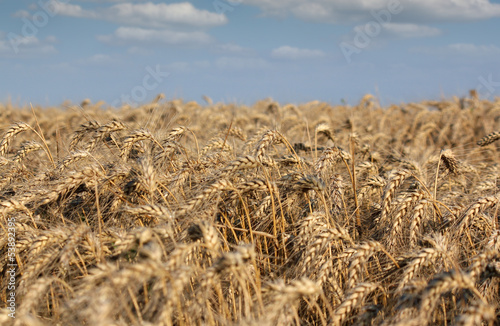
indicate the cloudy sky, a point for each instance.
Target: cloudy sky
{"x":246,"y":50}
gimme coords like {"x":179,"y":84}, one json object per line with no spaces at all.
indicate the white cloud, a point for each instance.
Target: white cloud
{"x":100,"y":59}
{"x":126,"y":35}
{"x":12,"y":46}
{"x":51,"y":39}
{"x":21,"y":14}
{"x":104,"y":1}
{"x":312,"y":11}
{"x":241,"y":63}
{"x":179,"y":66}
{"x":410,"y":30}
{"x":231,"y":48}
{"x":150,"y":23}
{"x":202,"y":64}
{"x":148,"y":14}
{"x":288,"y":52}
{"x":138,"y":50}
{"x":466,"y":49}
{"x":67,"y":9}
{"x":187,"y":67}
{"x":349,"y":11}
{"x":472,"y":49}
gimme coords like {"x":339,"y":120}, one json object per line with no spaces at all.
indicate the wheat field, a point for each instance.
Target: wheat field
{"x":176,"y":213}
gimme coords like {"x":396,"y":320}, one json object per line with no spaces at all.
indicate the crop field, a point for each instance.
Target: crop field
{"x":180,"y":213}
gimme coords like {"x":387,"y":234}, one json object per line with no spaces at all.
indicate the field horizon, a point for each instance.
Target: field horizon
{"x":181,"y":213}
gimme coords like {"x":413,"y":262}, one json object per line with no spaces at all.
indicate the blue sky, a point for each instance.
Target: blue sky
{"x":246,"y":50}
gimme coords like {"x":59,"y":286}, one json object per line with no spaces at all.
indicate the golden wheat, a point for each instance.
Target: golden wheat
{"x":172,"y":213}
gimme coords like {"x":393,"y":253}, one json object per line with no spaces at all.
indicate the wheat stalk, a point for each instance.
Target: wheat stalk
{"x":449,"y":161}
{"x":442,"y":283}
{"x":489,"y":138}
{"x":86,"y":128}
{"x":395,"y":181}
{"x":9,"y":135}
{"x":102,"y":132}
{"x":130,"y":140}
{"x":352,"y":301}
